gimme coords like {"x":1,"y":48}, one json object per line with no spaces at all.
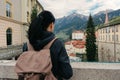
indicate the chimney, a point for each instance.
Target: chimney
{"x":106,"y":17}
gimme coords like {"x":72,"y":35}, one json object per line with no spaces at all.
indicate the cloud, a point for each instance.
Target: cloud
{"x":108,"y":4}
{"x":62,"y":8}
{"x":89,"y":0}
{"x":95,"y":6}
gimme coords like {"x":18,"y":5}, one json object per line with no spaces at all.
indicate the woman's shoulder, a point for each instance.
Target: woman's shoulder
{"x":58,"y":42}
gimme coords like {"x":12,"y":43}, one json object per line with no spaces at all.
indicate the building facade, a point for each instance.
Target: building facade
{"x":76,"y":47}
{"x":78,"y":35}
{"x":14,"y":19}
{"x":108,"y":41}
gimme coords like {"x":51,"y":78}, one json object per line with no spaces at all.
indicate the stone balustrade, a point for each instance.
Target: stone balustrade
{"x":82,"y":71}
{"x":96,"y":71}
{"x":10,"y":52}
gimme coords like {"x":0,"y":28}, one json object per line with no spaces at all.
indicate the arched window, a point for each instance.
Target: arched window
{"x":9,"y":36}
{"x":28,"y":19}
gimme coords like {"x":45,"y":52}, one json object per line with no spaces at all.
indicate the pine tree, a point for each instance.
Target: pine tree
{"x":90,"y":40}
{"x":34,"y":13}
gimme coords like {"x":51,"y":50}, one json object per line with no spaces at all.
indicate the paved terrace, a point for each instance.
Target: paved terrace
{"x":82,"y":71}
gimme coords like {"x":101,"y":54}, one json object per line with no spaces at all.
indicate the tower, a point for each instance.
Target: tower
{"x":106,"y":17}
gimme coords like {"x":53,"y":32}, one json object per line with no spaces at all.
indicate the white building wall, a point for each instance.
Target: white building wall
{"x":77,"y":35}
{"x":109,"y":44}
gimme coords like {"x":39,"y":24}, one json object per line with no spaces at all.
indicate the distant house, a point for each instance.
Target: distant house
{"x":69,"y":47}
{"x":75,"y":46}
{"x":78,"y":35}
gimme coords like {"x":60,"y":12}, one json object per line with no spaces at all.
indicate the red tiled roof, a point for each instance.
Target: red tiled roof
{"x":76,"y":43}
{"x":72,"y":54}
{"x":68,"y":43}
{"x":78,"y":31}
{"x":79,"y":46}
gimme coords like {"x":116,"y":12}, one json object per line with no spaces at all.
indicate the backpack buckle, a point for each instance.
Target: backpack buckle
{"x":28,"y":75}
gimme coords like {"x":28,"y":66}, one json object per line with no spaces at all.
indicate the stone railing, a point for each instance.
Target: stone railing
{"x":96,"y":71}
{"x":82,"y":71}
{"x":10,"y":52}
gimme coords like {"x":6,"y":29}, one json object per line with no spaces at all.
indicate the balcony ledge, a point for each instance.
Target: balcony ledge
{"x":81,"y":70}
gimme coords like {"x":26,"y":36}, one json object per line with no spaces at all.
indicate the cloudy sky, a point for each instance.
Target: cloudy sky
{"x":62,"y":8}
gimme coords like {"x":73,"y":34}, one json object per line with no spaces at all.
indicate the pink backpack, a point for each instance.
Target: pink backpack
{"x":35,"y":65}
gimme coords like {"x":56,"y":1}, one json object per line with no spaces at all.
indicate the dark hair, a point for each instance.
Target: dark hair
{"x":39,"y":25}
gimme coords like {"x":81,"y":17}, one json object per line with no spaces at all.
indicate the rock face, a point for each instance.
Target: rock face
{"x":10,"y":52}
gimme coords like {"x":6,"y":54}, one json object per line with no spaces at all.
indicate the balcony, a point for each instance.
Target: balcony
{"x":82,"y":71}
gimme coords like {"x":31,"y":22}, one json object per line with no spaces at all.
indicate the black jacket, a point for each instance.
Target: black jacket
{"x":60,"y":60}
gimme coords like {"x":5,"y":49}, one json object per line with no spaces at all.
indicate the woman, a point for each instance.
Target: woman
{"x":40,"y":33}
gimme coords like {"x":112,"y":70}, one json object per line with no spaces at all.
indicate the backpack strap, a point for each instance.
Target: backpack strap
{"x":49,"y":44}
{"x":46,"y":47}
{"x":30,"y":48}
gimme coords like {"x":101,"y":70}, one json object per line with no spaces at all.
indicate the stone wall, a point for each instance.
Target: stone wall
{"x":10,"y":52}
{"x":7,"y":70}
{"x":108,"y":52}
{"x":96,"y":71}
{"x":16,"y":33}
{"x":82,"y":71}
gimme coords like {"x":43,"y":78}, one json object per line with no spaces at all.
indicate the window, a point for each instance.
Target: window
{"x":116,"y":37}
{"x":112,"y":29}
{"x":103,"y":37}
{"x":116,"y":28}
{"x":28,"y":19}
{"x":112,"y":37}
{"x":101,"y":31}
{"x":109,"y":38}
{"x":8,"y":10}
{"x":9,"y":36}
{"x":107,"y":30}
{"x":106,"y":37}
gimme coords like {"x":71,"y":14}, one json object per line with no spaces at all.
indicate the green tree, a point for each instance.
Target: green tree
{"x":90,"y":40}
{"x":34,"y":13}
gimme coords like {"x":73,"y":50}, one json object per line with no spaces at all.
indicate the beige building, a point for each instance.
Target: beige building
{"x":75,"y":50}
{"x":78,"y":35}
{"x":108,"y":40}
{"x":14,"y":19}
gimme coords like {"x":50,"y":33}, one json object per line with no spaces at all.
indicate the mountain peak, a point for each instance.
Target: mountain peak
{"x":76,"y":21}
